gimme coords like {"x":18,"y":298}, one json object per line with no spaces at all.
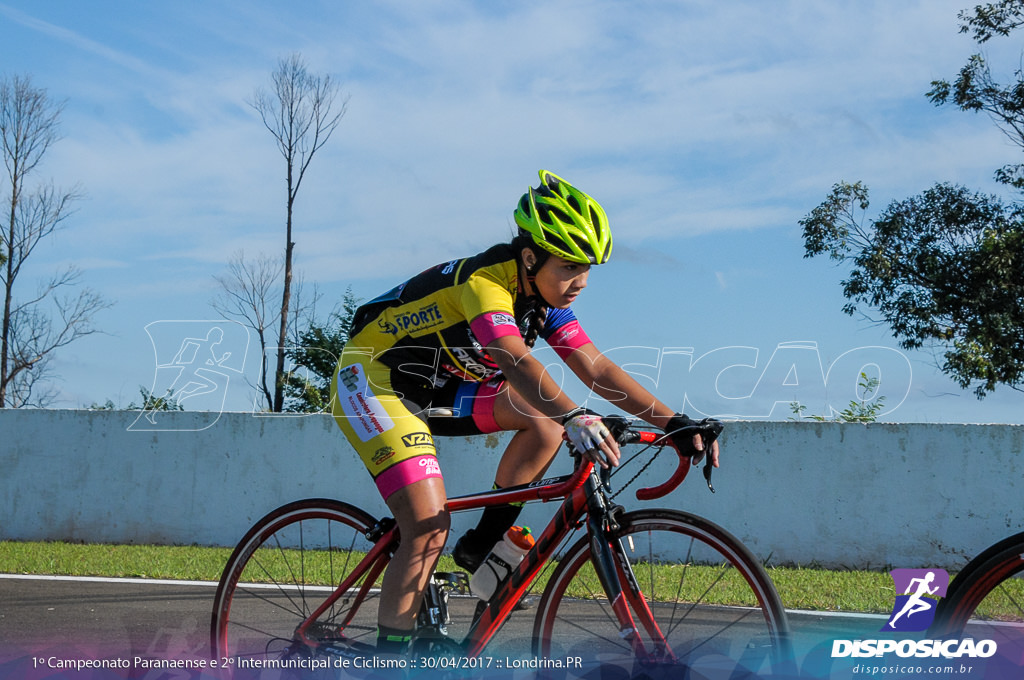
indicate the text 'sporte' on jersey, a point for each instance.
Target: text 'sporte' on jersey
{"x":436,"y":325}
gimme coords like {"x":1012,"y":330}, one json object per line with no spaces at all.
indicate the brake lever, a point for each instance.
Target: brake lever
{"x":707,"y":473}
{"x":708,"y":443}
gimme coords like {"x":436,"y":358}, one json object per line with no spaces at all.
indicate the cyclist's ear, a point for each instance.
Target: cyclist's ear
{"x":529,"y":260}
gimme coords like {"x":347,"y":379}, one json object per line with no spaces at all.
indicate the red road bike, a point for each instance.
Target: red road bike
{"x":639,"y":589}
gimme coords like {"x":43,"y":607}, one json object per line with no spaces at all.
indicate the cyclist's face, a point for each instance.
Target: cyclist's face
{"x":560,"y":281}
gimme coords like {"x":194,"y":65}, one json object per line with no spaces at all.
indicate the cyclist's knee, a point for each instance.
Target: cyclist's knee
{"x":547,"y":432}
{"x":427,"y":536}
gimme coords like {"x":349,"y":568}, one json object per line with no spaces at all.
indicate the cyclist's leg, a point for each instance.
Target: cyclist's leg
{"x":496,"y":407}
{"x":397,"y":448}
{"x":534,"y":444}
{"x":483,"y":408}
{"x":423,"y":522}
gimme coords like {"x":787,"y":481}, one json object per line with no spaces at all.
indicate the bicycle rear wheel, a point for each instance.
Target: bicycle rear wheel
{"x":988,"y":595}
{"x":284,"y":568}
{"x":708,"y":595}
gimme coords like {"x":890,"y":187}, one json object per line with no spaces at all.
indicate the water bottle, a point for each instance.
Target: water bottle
{"x":499,"y":563}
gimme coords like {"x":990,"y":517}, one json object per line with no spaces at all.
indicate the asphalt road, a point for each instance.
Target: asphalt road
{"x":42,"y":618}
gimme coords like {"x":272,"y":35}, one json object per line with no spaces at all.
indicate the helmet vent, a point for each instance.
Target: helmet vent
{"x":582,"y":243}
{"x":561,"y":216}
{"x":524,"y":204}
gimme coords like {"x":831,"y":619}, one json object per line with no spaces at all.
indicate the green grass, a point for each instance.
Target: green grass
{"x":800,"y":588}
{"x":138,"y":561}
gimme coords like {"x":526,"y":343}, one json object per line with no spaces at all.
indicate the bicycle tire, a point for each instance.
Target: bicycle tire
{"x":284,"y":567}
{"x":575,"y":620}
{"x":998,"y":572}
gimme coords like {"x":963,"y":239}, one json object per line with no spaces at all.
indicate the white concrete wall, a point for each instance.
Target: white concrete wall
{"x":857,"y":496}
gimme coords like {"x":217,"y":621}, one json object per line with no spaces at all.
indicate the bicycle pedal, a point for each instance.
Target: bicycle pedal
{"x":456,"y":580}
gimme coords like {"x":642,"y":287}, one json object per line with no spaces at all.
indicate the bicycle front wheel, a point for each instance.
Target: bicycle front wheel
{"x":988,"y":595}
{"x":707,"y":596}
{"x":282,"y":571}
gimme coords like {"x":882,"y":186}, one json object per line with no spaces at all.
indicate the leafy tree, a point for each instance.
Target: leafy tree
{"x":974,"y":88}
{"x":150,"y":402}
{"x":315,"y":356}
{"x":300,"y":113}
{"x":864,"y":410}
{"x":944,"y":268}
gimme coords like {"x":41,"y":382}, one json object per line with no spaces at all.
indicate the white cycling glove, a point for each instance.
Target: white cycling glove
{"x":584,"y":429}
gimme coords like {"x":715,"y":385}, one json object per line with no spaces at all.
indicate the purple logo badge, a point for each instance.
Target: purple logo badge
{"x":917,"y":594}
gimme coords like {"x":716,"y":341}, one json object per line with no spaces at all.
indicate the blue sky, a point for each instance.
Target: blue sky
{"x":706,"y":129}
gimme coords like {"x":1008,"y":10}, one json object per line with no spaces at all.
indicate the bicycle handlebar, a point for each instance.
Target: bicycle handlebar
{"x":709,"y":429}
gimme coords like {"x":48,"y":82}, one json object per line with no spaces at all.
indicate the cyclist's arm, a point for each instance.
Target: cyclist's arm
{"x":528,"y":377}
{"x":614,"y":385}
{"x":610,"y":382}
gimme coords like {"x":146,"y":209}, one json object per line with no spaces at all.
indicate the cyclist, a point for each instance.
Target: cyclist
{"x":459,"y":336}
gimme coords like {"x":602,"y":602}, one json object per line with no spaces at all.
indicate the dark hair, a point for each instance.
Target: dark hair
{"x":525,"y":240}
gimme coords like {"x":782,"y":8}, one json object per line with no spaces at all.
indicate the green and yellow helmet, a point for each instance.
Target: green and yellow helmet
{"x":564,"y":221}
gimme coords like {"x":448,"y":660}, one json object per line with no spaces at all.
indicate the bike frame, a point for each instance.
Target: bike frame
{"x":583,"y":500}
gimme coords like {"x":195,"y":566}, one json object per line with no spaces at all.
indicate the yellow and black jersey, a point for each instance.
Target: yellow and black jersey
{"x":437,"y":324}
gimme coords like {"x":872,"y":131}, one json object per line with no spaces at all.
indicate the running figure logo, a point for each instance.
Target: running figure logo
{"x":195,"y":363}
{"x":917,"y":594}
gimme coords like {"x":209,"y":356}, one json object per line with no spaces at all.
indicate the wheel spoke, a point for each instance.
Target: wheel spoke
{"x":283,"y":570}
{"x":692,"y":572}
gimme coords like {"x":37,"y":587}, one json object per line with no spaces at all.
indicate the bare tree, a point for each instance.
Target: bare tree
{"x":246,"y":293}
{"x":300,"y":113}
{"x":29,"y":334}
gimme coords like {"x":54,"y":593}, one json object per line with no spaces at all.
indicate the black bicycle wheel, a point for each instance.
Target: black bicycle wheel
{"x":710,"y":597}
{"x":988,"y":594}
{"x":281,"y":572}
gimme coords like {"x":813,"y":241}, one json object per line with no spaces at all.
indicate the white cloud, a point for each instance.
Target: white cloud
{"x":683,"y":119}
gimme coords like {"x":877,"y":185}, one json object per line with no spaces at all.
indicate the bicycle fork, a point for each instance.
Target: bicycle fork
{"x":613,"y":568}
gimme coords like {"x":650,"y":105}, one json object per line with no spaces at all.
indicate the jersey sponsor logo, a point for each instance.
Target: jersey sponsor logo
{"x":349,"y":377}
{"x":565,"y":334}
{"x":477,"y":347}
{"x":387,"y":327}
{"x":473,"y":364}
{"x":430,"y":466}
{"x":418,"y":439}
{"x":421,"y":319}
{"x":502,"y":319}
{"x":450,"y":267}
{"x":360,"y":406}
{"x":382,"y":454}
